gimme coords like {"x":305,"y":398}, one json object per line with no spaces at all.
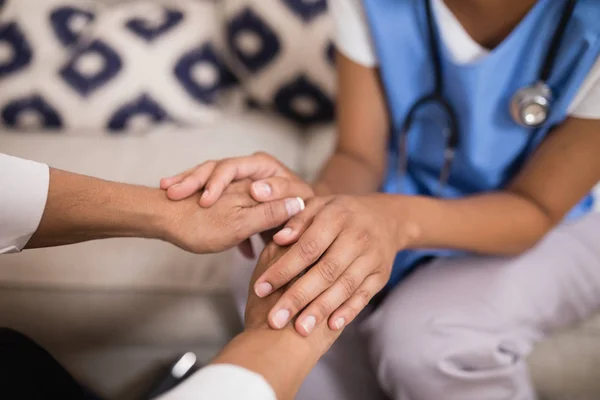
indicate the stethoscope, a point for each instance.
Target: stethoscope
{"x":529,"y":107}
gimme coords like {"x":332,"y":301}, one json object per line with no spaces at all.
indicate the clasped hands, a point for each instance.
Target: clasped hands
{"x":340,"y":249}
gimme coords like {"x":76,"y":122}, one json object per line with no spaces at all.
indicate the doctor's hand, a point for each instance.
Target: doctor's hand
{"x":272,"y":180}
{"x":231,"y":220}
{"x":257,"y":308}
{"x":352,"y":242}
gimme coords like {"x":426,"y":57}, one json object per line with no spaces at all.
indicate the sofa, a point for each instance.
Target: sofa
{"x":116,"y":312}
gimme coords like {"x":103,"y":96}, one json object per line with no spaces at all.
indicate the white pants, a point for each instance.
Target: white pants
{"x":461,"y":329}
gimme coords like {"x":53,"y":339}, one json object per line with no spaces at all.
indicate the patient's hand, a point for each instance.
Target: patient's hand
{"x":232,"y":219}
{"x":272,"y":180}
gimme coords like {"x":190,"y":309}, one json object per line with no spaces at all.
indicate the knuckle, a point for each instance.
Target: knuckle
{"x":327,"y":270}
{"x":323,"y":308}
{"x":263,"y":156}
{"x":342,"y":200}
{"x":298,"y":299}
{"x":349,"y":284}
{"x":343,"y":216}
{"x":270,"y":213}
{"x":224,"y":166}
{"x":209,"y":163}
{"x":364,"y":236}
{"x":340,"y":214}
{"x":281,"y":275}
{"x":309,"y":250}
{"x":363,"y":296}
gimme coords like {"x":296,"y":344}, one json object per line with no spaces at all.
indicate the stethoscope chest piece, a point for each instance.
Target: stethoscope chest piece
{"x":530,"y":106}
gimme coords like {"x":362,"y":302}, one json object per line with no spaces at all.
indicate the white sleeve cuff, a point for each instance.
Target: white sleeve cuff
{"x":23,"y":193}
{"x":352,"y":37}
{"x":222,"y":382}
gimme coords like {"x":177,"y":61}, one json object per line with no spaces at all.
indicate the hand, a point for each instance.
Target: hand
{"x":352,"y":240}
{"x":274,"y":181}
{"x":257,"y":308}
{"x":233,"y":219}
{"x":282,"y":357}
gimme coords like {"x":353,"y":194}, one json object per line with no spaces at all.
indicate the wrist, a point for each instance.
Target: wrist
{"x":403,"y":214}
{"x":282,"y":357}
{"x":155,"y":216}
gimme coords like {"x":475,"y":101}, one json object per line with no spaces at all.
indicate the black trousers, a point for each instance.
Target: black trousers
{"x":28,"y":372}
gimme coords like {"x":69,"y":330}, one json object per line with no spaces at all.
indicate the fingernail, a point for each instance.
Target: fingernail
{"x":285,"y":232}
{"x":294,"y":206}
{"x":175,"y":186}
{"x":308,"y":324}
{"x":205,"y":194}
{"x":281,"y":318}
{"x":262,"y":189}
{"x":339,"y":323}
{"x":263,"y":289}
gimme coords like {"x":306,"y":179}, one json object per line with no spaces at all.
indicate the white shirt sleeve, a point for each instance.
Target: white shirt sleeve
{"x":222,"y":382}
{"x":586,"y":103}
{"x":23,"y":193}
{"x":352,"y":36}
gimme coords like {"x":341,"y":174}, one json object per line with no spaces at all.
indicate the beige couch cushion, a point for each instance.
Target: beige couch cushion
{"x":319,"y":144}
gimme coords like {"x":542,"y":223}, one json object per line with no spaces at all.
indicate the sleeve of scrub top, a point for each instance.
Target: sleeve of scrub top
{"x":222,"y":382}
{"x":352,"y":36}
{"x":23,"y":193}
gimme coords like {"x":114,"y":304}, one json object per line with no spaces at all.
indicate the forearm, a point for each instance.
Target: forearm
{"x":346,"y":173}
{"x":501,"y":223}
{"x":81,"y":208}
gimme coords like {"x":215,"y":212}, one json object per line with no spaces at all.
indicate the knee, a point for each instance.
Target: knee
{"x":444,"y":357}
{"x":407,"y":355}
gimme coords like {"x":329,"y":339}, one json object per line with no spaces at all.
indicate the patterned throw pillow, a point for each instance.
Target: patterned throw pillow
{"x":76,"y":65}
{"x":282,"y":50}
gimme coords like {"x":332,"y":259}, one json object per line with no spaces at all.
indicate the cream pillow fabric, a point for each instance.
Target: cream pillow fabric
{"x":77,"y":65}
{"x":282,"y":50}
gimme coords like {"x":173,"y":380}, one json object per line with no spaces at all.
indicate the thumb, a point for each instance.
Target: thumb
{"x":265,"y":216}
{"x":277,"y":188}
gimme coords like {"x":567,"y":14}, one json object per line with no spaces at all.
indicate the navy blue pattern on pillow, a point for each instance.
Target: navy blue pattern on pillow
{"x":307,"y":9}
{"x":49,"y":117}
{"x":61,"y":20}
{"x":149,"y":31}
{"x":248,"y":23}
{"x":205,"y":92}
{"x":85,"y":83}
{"x":289,"y":96}
{"x":143,"y":105}
{"x":21,"y":57}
